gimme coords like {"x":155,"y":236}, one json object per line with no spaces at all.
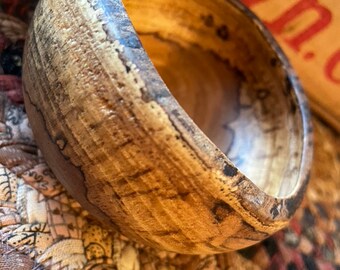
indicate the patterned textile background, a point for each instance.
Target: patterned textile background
{"x":42,"y":227}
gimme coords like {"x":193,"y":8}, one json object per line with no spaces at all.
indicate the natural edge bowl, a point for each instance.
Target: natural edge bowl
{"x":121,"y":144}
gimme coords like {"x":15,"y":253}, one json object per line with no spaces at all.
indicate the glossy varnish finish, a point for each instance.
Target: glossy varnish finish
{"x":121,"y":144}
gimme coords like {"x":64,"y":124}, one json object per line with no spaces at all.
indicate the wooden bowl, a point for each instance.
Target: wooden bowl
{"x":217,"y":163}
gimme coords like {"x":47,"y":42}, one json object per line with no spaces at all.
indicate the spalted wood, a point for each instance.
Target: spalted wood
{"x":223,"y":178}
{"x":306,"y":32}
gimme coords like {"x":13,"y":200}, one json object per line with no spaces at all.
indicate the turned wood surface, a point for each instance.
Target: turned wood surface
{"x":308,"y":32}
{"x":224,"y":174}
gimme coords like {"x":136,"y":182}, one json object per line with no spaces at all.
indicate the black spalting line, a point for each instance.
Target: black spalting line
{"x":68,"y":160}
{"x":115,"y":7}
{"x":174,"y":125}
{"x":237,"y":238}
{"x":165,"y":94}
{"x":291,"y":82}
{"x":181,"y":136}
{"x":274,"y":211}
{"x":229,"y":170}
{"x":293,"y":107}
{"x":220,"y":210}
{"x":240,"y":75}
{"x":240,"y":180}
{"x":124,"y":180}
{"x":139,"y":174}
{"x":65,"y":157}
{"x":127,"y":142}
{"x":127,"y":68}
{"x":274,"y":62}
{"x":288,"y":86}
{"x":220,"y":249}
{"x":222,"y":32}
{"x":148,"y":97}
{"x":181,"y":195}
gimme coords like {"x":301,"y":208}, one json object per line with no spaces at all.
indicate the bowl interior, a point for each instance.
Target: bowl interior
{"x":226,"y":76}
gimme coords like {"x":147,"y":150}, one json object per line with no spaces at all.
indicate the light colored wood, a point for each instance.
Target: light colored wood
{"x":315,"y":56}
{"x":122,"y":145}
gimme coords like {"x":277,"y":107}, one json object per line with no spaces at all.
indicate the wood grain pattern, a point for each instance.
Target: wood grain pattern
{"x":306,"y":31}
{"x":122,"y":145}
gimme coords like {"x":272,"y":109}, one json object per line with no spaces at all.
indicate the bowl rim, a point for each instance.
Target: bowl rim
{"x":279,"y":209}
{"x":264,"y":213}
